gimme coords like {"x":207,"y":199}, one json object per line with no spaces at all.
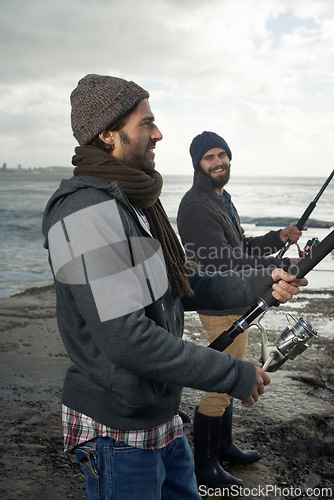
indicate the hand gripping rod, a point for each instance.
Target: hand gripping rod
{"x":300,"y":224}
{"x":300,"y":270}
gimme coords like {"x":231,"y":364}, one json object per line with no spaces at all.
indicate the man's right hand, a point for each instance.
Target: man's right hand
{"x":286,"y":285}
{"x":262,"y":379}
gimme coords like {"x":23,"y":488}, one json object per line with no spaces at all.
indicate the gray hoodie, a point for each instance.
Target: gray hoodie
{"x":117,"y":318}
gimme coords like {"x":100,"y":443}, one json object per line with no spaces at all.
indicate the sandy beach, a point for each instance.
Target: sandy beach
{"x":292,"y":426}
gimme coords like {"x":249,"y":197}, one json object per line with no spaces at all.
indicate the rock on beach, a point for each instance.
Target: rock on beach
{"x":291,"y":426}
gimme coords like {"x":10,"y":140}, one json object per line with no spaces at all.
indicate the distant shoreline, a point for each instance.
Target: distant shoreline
{"x":34,"y":169}
{"x":54,"y":168}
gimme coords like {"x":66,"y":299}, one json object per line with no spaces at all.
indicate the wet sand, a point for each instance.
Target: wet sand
{"x":292,"y":426}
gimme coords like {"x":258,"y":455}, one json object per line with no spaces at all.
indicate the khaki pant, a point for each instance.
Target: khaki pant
{"x":214,"y":404}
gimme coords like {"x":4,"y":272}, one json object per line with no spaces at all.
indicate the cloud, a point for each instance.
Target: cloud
{"x":258,"y":72}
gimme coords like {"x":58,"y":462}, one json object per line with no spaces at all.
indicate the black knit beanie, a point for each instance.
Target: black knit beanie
{"x":203,"y":143}
{"x":98,"y":101}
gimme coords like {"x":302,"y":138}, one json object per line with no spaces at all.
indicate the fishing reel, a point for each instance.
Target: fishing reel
{"x":292,"y":342}
{"x":310,"y":245}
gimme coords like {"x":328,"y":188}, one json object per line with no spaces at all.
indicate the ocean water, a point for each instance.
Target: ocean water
{"x":272,"y":201}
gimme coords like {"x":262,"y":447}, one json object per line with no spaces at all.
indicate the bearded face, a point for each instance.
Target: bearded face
{"x":134,"y":144}
{"x":215,"y":164}
{"x":137,"y":154}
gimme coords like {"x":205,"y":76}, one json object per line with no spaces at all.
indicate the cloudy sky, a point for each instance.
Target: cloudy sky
{"x":258,"y":72}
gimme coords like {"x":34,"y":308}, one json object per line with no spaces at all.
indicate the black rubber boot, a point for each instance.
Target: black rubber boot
{"x":207,"y":431}
{"x":230,"y":452}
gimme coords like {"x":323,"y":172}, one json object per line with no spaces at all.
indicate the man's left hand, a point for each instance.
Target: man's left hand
{"x":291,"y":233}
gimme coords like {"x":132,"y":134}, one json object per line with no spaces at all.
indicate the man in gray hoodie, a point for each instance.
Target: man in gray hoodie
{"x":122,"y":286}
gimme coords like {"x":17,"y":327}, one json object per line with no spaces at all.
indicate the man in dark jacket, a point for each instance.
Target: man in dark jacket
{"x":210,"y":230}
{"x":122,"y":288}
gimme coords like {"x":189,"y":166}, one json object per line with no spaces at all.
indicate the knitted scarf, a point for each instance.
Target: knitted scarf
{"x":142,"y":190}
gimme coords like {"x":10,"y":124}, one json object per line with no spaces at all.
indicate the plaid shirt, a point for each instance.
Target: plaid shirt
{"x":78,"y":428}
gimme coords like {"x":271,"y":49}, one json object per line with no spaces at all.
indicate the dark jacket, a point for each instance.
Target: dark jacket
{"x":118,"y":321}
{"x":211,"y":238}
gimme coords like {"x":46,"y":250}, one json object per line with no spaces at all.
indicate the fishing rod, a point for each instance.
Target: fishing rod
{"x":300,"y":224}
{"x":292,"y":341}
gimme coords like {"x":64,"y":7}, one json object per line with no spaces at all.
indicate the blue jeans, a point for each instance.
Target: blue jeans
{"x":117,"y":471}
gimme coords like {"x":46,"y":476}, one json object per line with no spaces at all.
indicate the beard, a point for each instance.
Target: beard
{"x":133,"y":154}
{"x":218,"y":181}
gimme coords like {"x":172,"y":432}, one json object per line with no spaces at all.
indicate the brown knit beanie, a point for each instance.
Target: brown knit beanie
{"x":98,"y":101}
